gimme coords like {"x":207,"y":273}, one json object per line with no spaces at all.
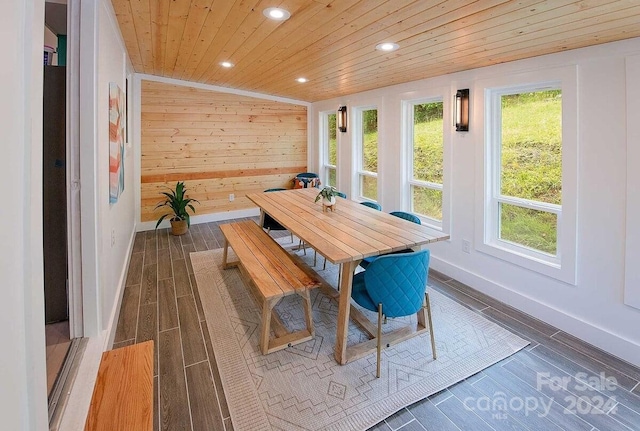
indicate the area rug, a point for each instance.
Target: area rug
{"x":302,"y":387}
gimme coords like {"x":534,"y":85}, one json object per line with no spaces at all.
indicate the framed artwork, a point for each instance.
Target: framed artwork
{"x":117,"y":118}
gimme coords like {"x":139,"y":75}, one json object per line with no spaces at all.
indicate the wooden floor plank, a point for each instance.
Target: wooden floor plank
{"x":163,"y":239}
{"x":573,"y":369}
{"x":127,"y":321}
{"x":181,"y":278}
{"x":512,"y":386}
{"x":430,"y":417}
{"x":173,"y":404}
{"x":149,"y":286}
{"x":192,"y":341}
{"x":151,"y":248}
{"x":139,"y":242}
{"x":148,"y":329}
{"x":156,"y":409}
{"x":134,"y":272}
{"x":168,"y":318}
{"x":499,"y":420}
{"x":535,"y":417}
{"x":165,"y":269}
{"x":463,"y":418}
{"x":175,"y":247}
{"x":205,"y":411}
{"x":187,"y":250}
{"x":590,"y":414}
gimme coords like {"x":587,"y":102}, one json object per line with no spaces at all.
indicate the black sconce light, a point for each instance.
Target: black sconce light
{"x":342,"y":118}
{"x":461,"y":117}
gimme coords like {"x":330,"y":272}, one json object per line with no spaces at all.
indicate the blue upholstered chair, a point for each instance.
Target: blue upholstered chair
{"x":268,"y":222}
{"x":395,"y":285}
{"x":406,"y":216}
{"x":306,"y":179}
{"x":342,"y":195}
{"x":401,"y":214}
{"x":374,"y":205}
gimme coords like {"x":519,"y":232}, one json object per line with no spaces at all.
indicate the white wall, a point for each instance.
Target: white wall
{"x":118,"y":217}
{"x":593,"y":309}
{"x":23,"y":400}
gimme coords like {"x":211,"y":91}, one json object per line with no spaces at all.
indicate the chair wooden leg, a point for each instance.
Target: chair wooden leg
{"x":379,"y":339}
{"x":433,"y":340}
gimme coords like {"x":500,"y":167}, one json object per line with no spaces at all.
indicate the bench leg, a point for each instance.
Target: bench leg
{"x":307,"y":311}
{"x":265,"y":330}
{"x":224,"y":253}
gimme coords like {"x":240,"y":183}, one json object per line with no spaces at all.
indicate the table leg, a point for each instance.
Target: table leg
{"x":344,"y":307}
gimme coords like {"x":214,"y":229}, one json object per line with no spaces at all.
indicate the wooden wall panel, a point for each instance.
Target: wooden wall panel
{"x":218,"y":144}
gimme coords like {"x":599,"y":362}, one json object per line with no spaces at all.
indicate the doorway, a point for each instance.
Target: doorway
{"x":61,"y":213}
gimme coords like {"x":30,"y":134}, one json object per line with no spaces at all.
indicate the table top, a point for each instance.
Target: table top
{"x":351,"y":232}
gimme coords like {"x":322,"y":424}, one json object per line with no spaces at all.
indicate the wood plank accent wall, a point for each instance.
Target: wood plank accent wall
{"x":218,"y":144}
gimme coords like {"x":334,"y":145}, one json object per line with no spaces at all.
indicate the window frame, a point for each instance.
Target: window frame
{"x":561,"y":266}
{"x":408,"y":138}
{"x":359,"y":141}
{"x":324,"y":146}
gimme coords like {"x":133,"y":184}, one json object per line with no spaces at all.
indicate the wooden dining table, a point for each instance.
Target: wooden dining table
{"x":345,"y":236}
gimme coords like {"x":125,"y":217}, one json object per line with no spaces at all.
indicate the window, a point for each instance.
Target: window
{"x":527,"y":172}
{"x":530,"y":175}
{"x":426,"y":159}
{"x":329,"y":144}
{"x":367,"y":144}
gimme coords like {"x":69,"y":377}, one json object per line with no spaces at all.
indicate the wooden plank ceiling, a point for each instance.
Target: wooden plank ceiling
{"x":332,"y":42}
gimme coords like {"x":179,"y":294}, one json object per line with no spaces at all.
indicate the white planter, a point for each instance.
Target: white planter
{"x":328,"y":203}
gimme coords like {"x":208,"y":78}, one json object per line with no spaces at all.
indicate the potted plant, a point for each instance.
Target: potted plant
{"x":328,"y":195}
{"x":178,"y":202}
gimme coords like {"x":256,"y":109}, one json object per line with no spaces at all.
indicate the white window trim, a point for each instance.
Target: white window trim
{"x":323,"y":133}
{"x":563,"y":266}
{"x":359,"y":140}
{"x":407,"y":139}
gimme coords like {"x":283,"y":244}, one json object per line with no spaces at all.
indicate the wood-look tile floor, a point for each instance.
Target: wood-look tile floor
{"x":557,"y":382}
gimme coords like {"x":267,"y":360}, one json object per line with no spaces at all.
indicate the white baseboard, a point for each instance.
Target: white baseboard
{"x":204,"y":218}
{"x":610,"y":342}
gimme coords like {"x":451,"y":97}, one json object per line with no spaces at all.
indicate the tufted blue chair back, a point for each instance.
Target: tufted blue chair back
{"x":399,"y":282}
{"x":306,"y":179}
{"x":374,"y":205}
{"x":268,"y":221}
{"x":406,"y":216}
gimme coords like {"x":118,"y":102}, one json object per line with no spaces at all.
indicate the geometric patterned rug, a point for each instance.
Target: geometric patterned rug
{"x":302,"y":387}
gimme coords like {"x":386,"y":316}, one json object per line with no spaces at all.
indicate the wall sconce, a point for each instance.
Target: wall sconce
{"x":342,"y":118}
{"x":461,"y":117}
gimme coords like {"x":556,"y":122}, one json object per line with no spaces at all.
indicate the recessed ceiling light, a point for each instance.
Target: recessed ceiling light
{"x":387,"y":46}
{"x":301,"y":80}
{"x":276,"y":13}
{"x":226,"y":64}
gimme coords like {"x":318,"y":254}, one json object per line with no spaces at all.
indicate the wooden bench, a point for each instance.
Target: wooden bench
{"x":274,"y":274}
{"x":123,"y":394}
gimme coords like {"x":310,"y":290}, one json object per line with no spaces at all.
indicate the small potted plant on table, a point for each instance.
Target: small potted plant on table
{"x":328,"y":195}
{"x":178,"y":202}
